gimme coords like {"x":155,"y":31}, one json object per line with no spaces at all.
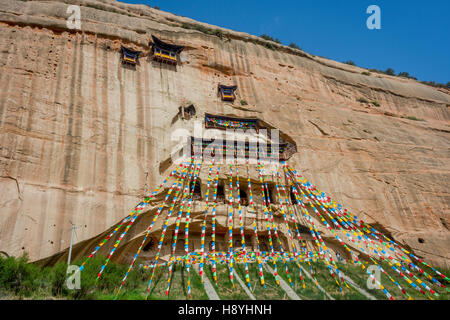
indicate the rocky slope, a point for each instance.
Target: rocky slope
{"x":83,"y":139}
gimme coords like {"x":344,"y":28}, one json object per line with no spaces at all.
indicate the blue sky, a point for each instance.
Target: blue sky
{"x":414,"y":35}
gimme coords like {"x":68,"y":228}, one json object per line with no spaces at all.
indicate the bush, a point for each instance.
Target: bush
{"x":437,"y":85}
{"x":18,"y":276}
{"x":366,"y":73}
{"x":110,"y":280}
{"x":218,"y":33}
{"x":375,"y":103}
{"x":350,"y":62}
{"x":267,"y":37}
{"x":406,"y":75}
{"x":214,"y":32}
{"x":362,"y":100}
{"x":57,"y":278}
{"x":413,"y":118}
{"x":376,"y":70}
{"x":294,"y":46}
{"x":390,"y":71}
{"x":269,"y":46}
{"x":244,"y":103}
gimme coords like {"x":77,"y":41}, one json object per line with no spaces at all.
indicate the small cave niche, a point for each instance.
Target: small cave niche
{"x":196,"y":190}
{"x":150,"y":244}
{"x":421,"y":240}
{"x":220,"y":192}
{"x":243,"y":196}
{"x":263,"y":246}
{"x":269,"y":193}
{"x":187,"y":112}
{"x":292,"y":194}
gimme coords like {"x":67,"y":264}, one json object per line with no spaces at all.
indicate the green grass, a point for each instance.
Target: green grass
{"x":360,"y":277}
{"x":269,"y":38}
{"x":272,"y":290}
{"x":328,"y":283}
{"x":413,"y":118}
{"x":23,"y":280}
{"x":215,"y":32}
{"x":310,"y":291}
{"x":362,"y":100}
{"x":225,"y":289}
{"x":178,"y":287}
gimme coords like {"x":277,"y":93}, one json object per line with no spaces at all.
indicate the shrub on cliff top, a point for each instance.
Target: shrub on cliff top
{"x":267,"y":37}
{"x":390,"y":72}
{"x":214,"y":32}
{"x":294,"y":46}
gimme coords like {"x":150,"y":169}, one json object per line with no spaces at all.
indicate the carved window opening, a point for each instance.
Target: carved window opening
{"x":269,"y":193}
{"x":220,"y":192}
{"x":129,"y":56}
{"x":227,"y":92}
{"x":165,"y":52}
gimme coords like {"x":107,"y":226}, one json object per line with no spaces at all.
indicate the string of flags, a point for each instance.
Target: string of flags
{"x":298,"y":206}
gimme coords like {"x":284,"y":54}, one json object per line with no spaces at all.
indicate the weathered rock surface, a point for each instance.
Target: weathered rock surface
{"x":83,"y":139}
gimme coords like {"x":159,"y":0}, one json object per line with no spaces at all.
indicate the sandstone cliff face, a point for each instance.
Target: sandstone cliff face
{"x":83,"y":139}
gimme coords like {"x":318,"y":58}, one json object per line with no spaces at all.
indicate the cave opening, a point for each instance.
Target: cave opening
{"x":220,"y":192}
{"x":196,"y":190}
{"x":244,"y":197}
